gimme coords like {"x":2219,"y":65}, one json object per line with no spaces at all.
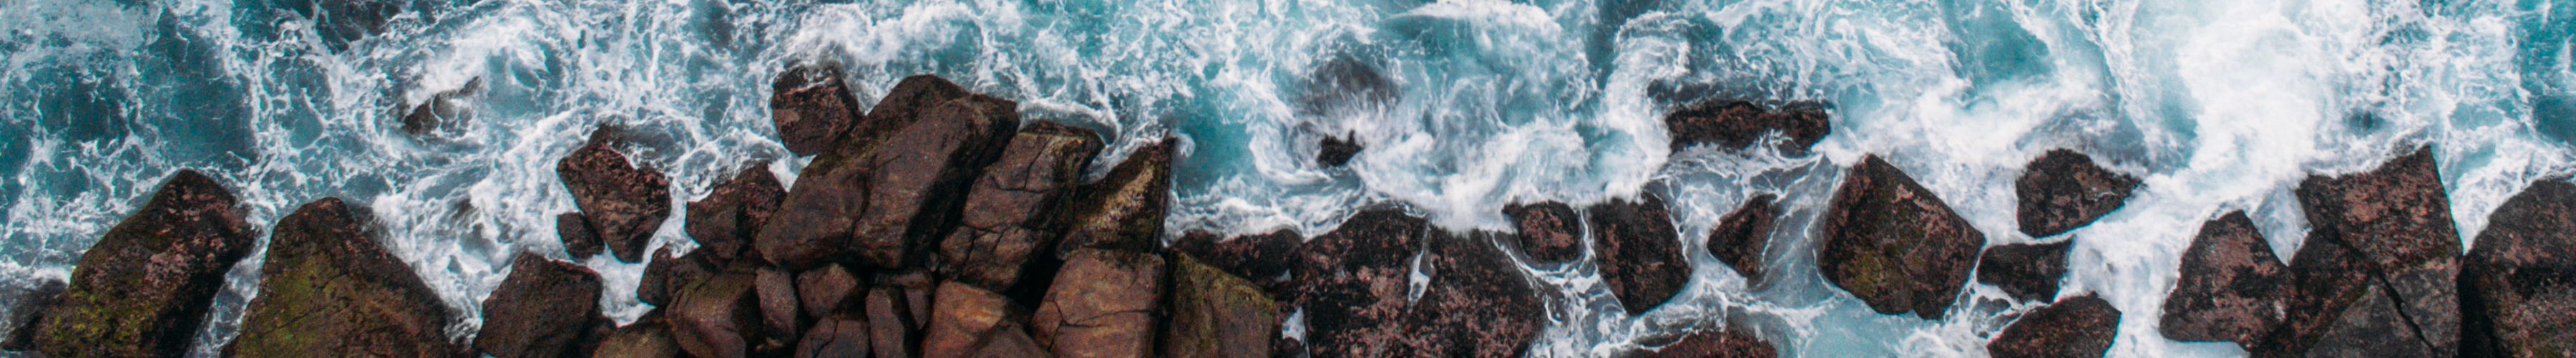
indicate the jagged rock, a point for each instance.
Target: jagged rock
{"x":902,"y":107}
{"x":143,"y":289}
{"x":648,"y":337}
{"x":1733,"y":342}
{"x":2372,"y":327}
{"x":962,"y":317}
{"x":836,"y":336}
{"x":1216,"y":314}
{"x":542,"y":309}
{"x":1893,"y":244}
{"x":2080,"y":326}
{"x":828,"y":289}
{"x":340,"y":22}
{"x":578,"y":239}
{"x":1337,"y":151}
{"x":2230,"y":288}
{"x":1478,"y":303}
{"x":2398,"y":218}
{"x":1125,"y":209}
{"x":781,"y":316}
{"x":1356,"y":279}
{"x":666,"y":276}
{"x":2028,"y":272}
{"x":2064,"y":190}
{"x":32,"y":305}
{"x":883,"y":200}
{"x":718,"y":316}
{"x":1550,"y":232}
{"x":811,"y":108}
{"x":2520,"y":279}
{"x":1104,"y":304}
{"x":723,"y":222}
{"x":1639,"y":251}
{"x":624,"y":204}
{"x":892,"y":329}
{"x":1263,"y":259}
{"x":444,"y":113}
{"x":325,"y":273}
{"x":1003,"y":222}
{"x":1732,"y":124}
{"x":1741,"y":236}
{"x":2326,"y":278}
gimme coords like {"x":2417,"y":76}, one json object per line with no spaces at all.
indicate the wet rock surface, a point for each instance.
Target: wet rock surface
{"x":1639,"y":251}
{"x":1893,"y":244}
{"x":325,"y":272}
{"x":2028,"y":272}
{"x":835,"y":337}
{"x":537,"y":310}
{"x":2063,"y":190}
{"x":1216,"y":314}
{"x":1104,"y":304}
{"x":578,"y":239}
{"x":1265,"y":259}
{"x":723,"y":223}
{"x":811,"y":108}
{"x":1125,"y":209}
{"x":1002,"y":225}
{"x":1335,"y":151}
{"x":1741,"y":236}
{"x":718,"y":316}
{"x":1478,"y":304}
{"x":340,"y":22}
{"x":143,"y":289}
{"x":886,"y":201}
{"x":1549,"y":232}
{"x":2231,"y":285}
{"x":2519,"y":283}
{"x":445,"y":114}
{"x":1733,"y":342}
{"x":648,"y":337}
{"x":2080,"y":326}
{"x":1733,"y":124}
{"x":623,"y":203}
{"x":963,"y":316}
{"x":2397,"y":219}
{"x":816,"y":224}
{"x":1358,"y":299}
{"x":1356,"y":280}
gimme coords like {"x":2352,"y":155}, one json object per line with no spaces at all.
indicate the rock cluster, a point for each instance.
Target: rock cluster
{"x":143,"y":289}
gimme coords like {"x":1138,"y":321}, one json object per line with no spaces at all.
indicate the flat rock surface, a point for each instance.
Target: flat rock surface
{"x":143,"y":289}
{"x":326,"y":273}
{"x":1355,"y":282}
{"x":2028,"y":272}
{"x":2398,"y":219}
{"x":1004,"y":221}
{"x":542,"y":309}
{"x":2231,"y":286}
{"x":1893,"y":244}
{"x":1639,"y":251}
{"x":2080,"y":326}
{"x":1549,"y":232}
{"x":1104,"y":304}
{"x":624,"y":203}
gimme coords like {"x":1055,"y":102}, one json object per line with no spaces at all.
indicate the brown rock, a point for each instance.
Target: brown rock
{"x":2372,"y":327}
{"x":901,"y":107}
{"x":1639,"y":252}
{"x":542,"y":309}
{"x":781,"y":316}
{"x":1741,"y":236}
{"x":1003,"y":222}
{"x":1478,"y":303}
{"x":2080,"y":326}
{"x":325,"y":273}
{"x":1010,"y":341}
{"x":578,"y":239}
{"x":826,"y":290}
{"x":836,"y":336}
{"x":1893,"y":244}
{"x":1215,"y":314}
{"x":1733,"y":124}
{"x":648,"y":337}
{"x":718,"y":317}
{"x":1549,"y":231}
{"x":2230,"y":288}
{"x":1734,"y":342}
{"x":1356,"y":280}
{"x":666,"y":275}
{"x":1125,"y":209}
{"x":1103,"y":304}
{"x":892,"y":329}
{"x":2399,"y":219}
{"x":811,"y":108}
{"x":143,"y":289}
{"x":963,"y":316}
{"x":2519,"y":282}
{"x":2063,"y":190}
{"x":2326,"y":278}
{"x":723,"y":223}
{"x":2028,"y":272}
{"x":1264,"y":259}
{"x":624,"y":204}
{"x":883,"y":200}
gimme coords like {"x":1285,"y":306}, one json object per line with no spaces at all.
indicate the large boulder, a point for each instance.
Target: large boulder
{"x":2398,"y":218}
{"x":963,"y":316}
{"x":624,"y":204}
{"x":2326,"y":279}
{"x":2028,"y":272}
{"x":1125,"y":209}
{"x":1265,"y":259}
{"x":812,"y":109}
{"x":1734,"y":342}
{"x":724,"y":221}
{"x":782,"y":314}
{"x":1477,"y":304}
{"x":1216,"y":314}
{"x":835,"y":336}
{"x":881,"y":199}
{"x":1893,"y":244}
{"x":2372,"y":327}
{"x":1733,"y":124}
{"x":2519,"y":283}
{"x":665,"y":276}
{"x":718,"y":316}
{"x":2063,"y":190}
{"x":544,"y":308}
{"x":826,"y":290}
{"x":1741,"y":236}
{"x":648,"y":337}
{"x":2231,"y":285}
{"x":1639,"y":251}
{"x":1004,"y":219}
{"x":1104,"y":304}
{"x":328,"y":289}
{"x":1355,"y":281}
{"x":1359,"y":295}
{"x":2080,"y":326}
{"x":143,"y":289}
{"x":1550,"y":232}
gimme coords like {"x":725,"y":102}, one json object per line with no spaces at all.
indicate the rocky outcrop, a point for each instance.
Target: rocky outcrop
{"x":1265,"y":259}
{"x":2397,"y":221}
{"x":2231,"y":285}
{"x":2520,"y":279}
{"x":1741,"y":236}
{"x":2326,"y":279}
{"x":1549,"y":232}
{"x":2063,"y":190}
{"x":1732,"y":124}
{"x":326,"y":273}
{"x":143,"y":289}
{"x":1734,"y":342}
{"x":1893,"y":244}
{"x":2080,"y":326}
{"x":1359,"y":300}
{"x":1477,"y":304}
{"x":723,"y":223}
{"x":1125,"y":209}
{"x":811,"y":108}
{"x":1002,"y":225}
{"x":1355,"y":282}
{"x":883,"y":199}
{"x":648,"y":337}
{"x":539,"y":310}
{"x":444,"y":114}
{"x":831,"y":288}
{"x":1216,"y":314}
{"x":962,"y":318}
{"x":2028,"y":272}
{"x":1104,"y":304}
{"x":1337,"y":151}
{"x":1639,"y":251}
{"x":837,"y":336}
{"x":718,"y":316}
{"x":624,"y":204}
{"x":578,"y":239}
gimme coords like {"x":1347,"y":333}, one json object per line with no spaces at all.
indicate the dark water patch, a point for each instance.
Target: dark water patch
{"x":1990,"y":46}
{"x":195,"y":108}
{"x":2544,"y":40}
{"x":81,"y":104}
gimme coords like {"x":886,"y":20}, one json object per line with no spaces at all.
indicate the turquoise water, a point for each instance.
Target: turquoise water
{"x":2219,"y":104}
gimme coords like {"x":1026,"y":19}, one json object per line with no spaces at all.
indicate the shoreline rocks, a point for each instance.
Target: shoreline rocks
{"x":2519,"y":281}
{"x":2064,"y":190}
{"x":811,"y":109}
{"x":2231,"y":285}
{"x":2080,"y":326}
{"x":1639,"y":251}
{"x":2396,"y":220}
{"x":537,"y":310}
{"x":2028,"y":272}
{"x":325,"y":272}
{"x":1893,"y":244}
{"x":1549,"y":232}
{"x":1742,"y":235}
{"x":1732,"y":342}
{"x":143,"y":289}
{"x":623,"y":203}
{"x":1736,"y":125}
{"x":1002,"y":226}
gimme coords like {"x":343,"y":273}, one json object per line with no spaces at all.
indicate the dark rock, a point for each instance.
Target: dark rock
{"x":892,"y":329}
{"x":578,"y":239}
{"x":648,"y":337}
{"x":666,"y":276}
{"x":2028,"y":272}
{"x":1639,"y":251}
{"x":340,"y":22}
{"x":811,"y":108}
{"x":1732,"y":124}
{"x":718,"y":316}
{"x":445,"y":113}
{"x":1010,"y":341}
{"x":1216,"y":314}
{"x":2326,"y":278}
{"x":830,"y":289}
{"x":723,"y":223}
{"x":1893,"y":244}
{"x":1104,"y":304}
{"x":542,"y":309}
{"x":1741,"y":236}
{"x":1549,"y":231}
{"x":1264,"y":259}
{"x":325,"y":273}
{"x":1356,"y":280}
{"x":902,"y":107}
{"x":963,"y":316}
{"x":1337,"y":151}
{"x":2063,"y":190}
{"x":816,"y":224}
{"x":1478,"y":303}
{"x":31,"y":306}
{"x":2372,"y":327}
{"x":2080,"y":326}
{"x":2520,"y":279}
{"x":1003,"y":223}
{"x":143,"y":289}
{"x":781,"y":316}
{"x":917,"y":287}
{"x":2230,"y":288}
{"x":1125,"y":209}
{"x":885,"y":200}
{"x":836,"y":336}
{"x":623,"y":203}
{"x":2399,"y":219}
{"x":1733,"y":342}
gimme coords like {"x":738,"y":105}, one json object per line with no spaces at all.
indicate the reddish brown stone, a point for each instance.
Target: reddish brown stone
{"x":1733,"y":124}
{"x":2231,"y":285}
{"x":1264,"y":259}
{"x":884,"y":201}
{"x":811,"y":108}
{"x":2398,"y":218}
{"x":1010,"y":341}
{"x":1741,"y":236}
{"x":1356,"y":280}
{"x":826,"y":290}
{"x":2519,"y":283}
{"x":1478,"y":303}
{"x":623,"y":203}
{"x":648,"y":337}
{"x":781,"y":316}
{"x":724,"y":221}
{"x":1639,"y":251}
{"x":1125,"y":209}
{"x":542,"y":309}
{"x":665,"y":276}
{"x":2028,"y":272}
{"x":578,"y":239}
{"x":1215,"y":314}
{"x":1733,"y":342}
{"x":1003,"y":223}
{"x":892,"y":329}
{"x":963,"y":316}
{"x":1103,"y":304}
{"x":836,"y":336}
{"x":1893,"y":244}
{"x":719,"y":317}
{"x":2080,"y":326}
{"x":2064,"y":190}
{"x":325,"y":272}
{"x":1550,"y":232}
{"x":143,"y":289}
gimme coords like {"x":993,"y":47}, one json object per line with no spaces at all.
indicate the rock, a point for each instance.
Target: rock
{"x":1216,"y":314}
{"x":666,"y":276}
{"x":836,"y":336}
{"x":1263,"y":259}
{"x":723,"y":223}
{"x":445,"y":113}
{"x":825,"y":290}
{"x":2028,"y":272}
{"x":1741,"y":236}
{"x":340,"y":22}
{"x":2230,"y":288}
{"x":1550,"y":232}
{"x":325,"y":273}
{"x":1893,"y":244}
{"x":884,"y":201}
{"x":578,"y":239}
{"x":1010,"y":341}
{"x":811,"y":108}
{"x":717,"y":317}
{"x":1104,"y":304}
{"x":623,"y":203}
{"x":1732,"y":124}
{"x":2519,"y":281}
{"x":2326,"y":278}
{"x":31,"y":306}
{"x":1125,"y":209}
{"x":963,"y":316}
{"x":1337,"y":151}
{"x":1734,"y":342}
{"x":648,"y":337}
{"x":892,"y":329}
{"x":2372,"y":327}
{"x":143,"y":289}
{"x":542,"y":309}
{"x":2063,"y":190}
{"x":781,"y":316}
{"x":1639,"y":252}
{"x":2080,"y":326}
{"x":2399,"y":219}
{"x":902,"y":107}
{"x":1478,"y":303}
{"x":1003,"y":222}
{"x":1356,"y":280}
{"x":814,"y":225}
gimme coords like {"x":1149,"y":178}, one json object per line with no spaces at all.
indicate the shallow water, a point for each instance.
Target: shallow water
{"x":2219,"y":105}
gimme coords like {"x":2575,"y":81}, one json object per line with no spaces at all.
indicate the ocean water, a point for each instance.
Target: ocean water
{"x":1465,"y":106}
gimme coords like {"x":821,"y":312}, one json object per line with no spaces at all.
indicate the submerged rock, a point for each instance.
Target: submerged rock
{"x":444,"y":113}
{"x":624,"y":204}
{"x":2231,"y":285}
{"x":1216,"y":314}
{"x":723,"y":223}
{"x":326,"y":273}
{"x":1733,"y":124}
{"x":1004,"y":219}
{"x":2080,"y":326}
{"x":881,"y":199}
{"x":1734,"y":342}
{"x":1639,"y":251}
{"x":1104,"y":304}
{"x":2028,"y":272}
{"x":1893,"y":244}
{"x":1355,"y":282}
{"x":2063,"y":190}
{"x":1264,"y":259}
{"x":2398,"y":218}
{"x":811,"y":108}
{"x":143,"y":289}
{"x":1741,"y":236}
{"x":1549,"y":232}
{"x":578,"y":239}
{"x":544,"y":308}
{"x":1125,"y":209}
{"x":2519,"y":283}
{"x":1337,"y":151}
